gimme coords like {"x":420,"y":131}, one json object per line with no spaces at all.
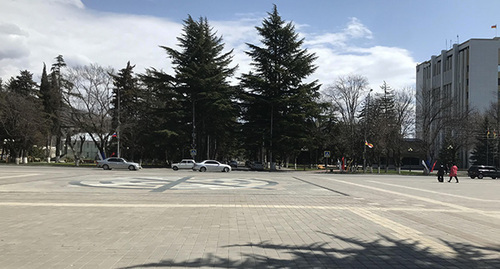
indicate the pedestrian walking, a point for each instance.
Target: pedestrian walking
{"x":453,"y":172}
{"x":441,"y":171}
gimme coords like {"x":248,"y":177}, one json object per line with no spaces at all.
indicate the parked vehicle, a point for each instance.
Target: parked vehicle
{"x":481,"y":171}
{"x":254,"y":165}
{"x":183,"y":164}
{"x":233,"y":164}
{"x":118,"y":163}
{"x":211,"y":165}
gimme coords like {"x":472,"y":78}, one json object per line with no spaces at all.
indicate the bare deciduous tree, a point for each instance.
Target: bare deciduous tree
{"x":345,"y":94}
{"x":88,"y":95}
{"x":405,"y":109}
{"x":438,"y":118}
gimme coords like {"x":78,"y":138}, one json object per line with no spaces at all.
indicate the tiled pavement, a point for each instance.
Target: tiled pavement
{"x":158,"y":218}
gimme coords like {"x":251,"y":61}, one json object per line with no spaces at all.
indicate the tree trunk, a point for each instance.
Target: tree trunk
{"x":58,"y":148}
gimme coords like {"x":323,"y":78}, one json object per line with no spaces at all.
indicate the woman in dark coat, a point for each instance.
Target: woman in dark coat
{"x":441,"y":172}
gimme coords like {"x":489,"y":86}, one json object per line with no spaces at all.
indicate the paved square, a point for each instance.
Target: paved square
{"x":158,"y":218}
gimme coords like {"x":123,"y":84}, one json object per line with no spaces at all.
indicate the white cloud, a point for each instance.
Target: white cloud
{"x":82,"y":36}
{"x":13,"y":41}
{"x":353,"y":30}
{"x":345,"y":53}
{"x":356,"y":29}
{"x":378,"y":64}
{"x":34,"y":32}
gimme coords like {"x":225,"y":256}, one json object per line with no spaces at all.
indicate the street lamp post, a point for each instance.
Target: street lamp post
{"x":410,"y":150}
{"x":193,"y":134}
{"x":119,"y":123}
{"x":273,"y":166}
{"x":366,"y":127}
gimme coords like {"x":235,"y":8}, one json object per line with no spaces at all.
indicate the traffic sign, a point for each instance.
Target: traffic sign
{"x":193,"y":152}
{"x":327,"y":154}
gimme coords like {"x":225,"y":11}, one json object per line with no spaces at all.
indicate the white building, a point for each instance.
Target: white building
{"x":89,"y":148}
{"x":469,"y":74}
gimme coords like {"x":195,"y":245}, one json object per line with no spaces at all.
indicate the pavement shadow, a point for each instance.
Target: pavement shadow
{"x":381,"y":253}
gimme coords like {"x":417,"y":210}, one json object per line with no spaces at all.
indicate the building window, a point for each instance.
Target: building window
{"x":448,"y":63}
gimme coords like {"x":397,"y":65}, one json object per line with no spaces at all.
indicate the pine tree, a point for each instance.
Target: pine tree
{"x":21,"y":111}
{"x":23,"y":84}
{"x":126,"y":106}
{"x":45,"y":90}
{"x":162,"y":118}
{"x":45,"y":95}
{"x":449,"y":151}
{"x":279,"y":106}
{"x":484,"y":151}
{"x":201,"y":74}
{"x":55,"y":102}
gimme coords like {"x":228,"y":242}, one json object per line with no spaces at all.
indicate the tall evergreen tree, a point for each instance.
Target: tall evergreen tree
{"x":449,"y":151}
{"x":162,"y":120}
{"x":21,"y":119}
{"x":484,"y":151}
{"x":201,"y":74}
{"x":279,"y":107}
{"x":55,"y":103}
{"x":45,"y":89}
{"x":125,"y":109}
{"x":49,"y":113}
{"x":387,"y":128}
{"x":23,"y":84}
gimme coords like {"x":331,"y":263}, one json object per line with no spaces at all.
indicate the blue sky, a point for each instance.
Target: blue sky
{"x":382,"y":40}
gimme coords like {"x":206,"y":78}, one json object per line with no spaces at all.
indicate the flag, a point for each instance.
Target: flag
{"x":368,"y":144}
{"x":425,"y":165}
{"x":114,"y":135}
{"x":494,"y":26}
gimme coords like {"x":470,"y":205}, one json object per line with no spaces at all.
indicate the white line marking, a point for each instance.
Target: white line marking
{"x":105,"y":205}
{"x":25,"y":175}
{"x":428,"y":200}
{"x":404,"y":232}
{"x":435,"y":192}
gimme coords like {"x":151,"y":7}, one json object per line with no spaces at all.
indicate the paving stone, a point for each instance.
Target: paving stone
{"x":90,"y":218}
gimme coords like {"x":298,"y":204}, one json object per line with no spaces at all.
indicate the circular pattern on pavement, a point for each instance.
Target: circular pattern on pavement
{"x":160,"y":184}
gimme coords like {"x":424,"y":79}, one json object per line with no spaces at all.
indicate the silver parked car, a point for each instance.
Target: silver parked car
{"x":211,"y":165}
{"x":118,"y":163}
{"x":183,"y":164}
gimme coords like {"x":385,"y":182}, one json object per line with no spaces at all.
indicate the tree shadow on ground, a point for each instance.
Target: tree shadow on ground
{"x":350,"y":253}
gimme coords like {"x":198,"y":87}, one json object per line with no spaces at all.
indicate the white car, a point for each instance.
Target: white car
{"x":114,"y":162}
{"x":211,"y":165}
{"x":183,"y":164}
